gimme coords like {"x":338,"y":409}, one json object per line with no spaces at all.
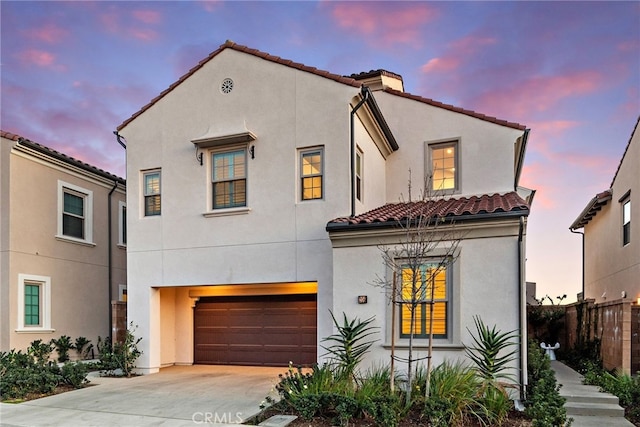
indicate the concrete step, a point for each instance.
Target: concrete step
{"x":595,"y":397}
{"x":594,"y":409}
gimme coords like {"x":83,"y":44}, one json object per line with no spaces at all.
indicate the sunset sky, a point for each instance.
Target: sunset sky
{"x":570,"y":71}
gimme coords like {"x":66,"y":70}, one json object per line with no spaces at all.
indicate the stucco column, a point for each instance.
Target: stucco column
{"x":143,"y":306}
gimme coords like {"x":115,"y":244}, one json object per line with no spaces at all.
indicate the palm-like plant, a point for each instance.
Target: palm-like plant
{"x":350,"y":344}
{"x":487,"y":353}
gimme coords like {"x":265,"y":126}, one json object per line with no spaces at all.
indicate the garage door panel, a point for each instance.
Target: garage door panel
{"x":257,"y":330}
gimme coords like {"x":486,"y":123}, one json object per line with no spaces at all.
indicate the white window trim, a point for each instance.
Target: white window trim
{"x":121,"y":206}
{"x":88,"y":217}
{"x":121,"y":292}
{"x":45,"y":288}
{"x":237,"y":210}
{"x":301,"y":153}
{"x":458,"y":161}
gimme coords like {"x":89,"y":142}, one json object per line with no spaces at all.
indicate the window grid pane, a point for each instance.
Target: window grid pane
{"x":229,"y":186}
{"x":311,"y":175}
{"x":359,"y":175}
{"x":429,"y":277}
{"x":443,"y":167}
{"x":73,"y":216}
{"x":32,"y":304}
{"x":152,"y":196}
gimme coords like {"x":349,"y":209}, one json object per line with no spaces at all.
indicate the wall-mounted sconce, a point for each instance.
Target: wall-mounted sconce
{"x":252,"y":151}
{"x":362,"y":299}
{"x":638,"y":301}
{"x":198,"y":156}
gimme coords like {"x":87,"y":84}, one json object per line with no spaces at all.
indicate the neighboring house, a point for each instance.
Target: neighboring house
{"x":59,"y":267}
{"x":610,"y":225}
{"x":260,"y":189}
{"x":611,"y":253}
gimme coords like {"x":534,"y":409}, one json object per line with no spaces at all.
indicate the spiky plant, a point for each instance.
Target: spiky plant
{"x":490,"y":352}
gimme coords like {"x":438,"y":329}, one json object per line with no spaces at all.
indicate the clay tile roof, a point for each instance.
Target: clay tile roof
{"x":60,"y":156}
{"x":461,"y":209}
{"x":352,"y":80}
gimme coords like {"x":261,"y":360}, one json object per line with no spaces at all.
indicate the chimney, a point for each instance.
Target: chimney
{"x":380,"y":80}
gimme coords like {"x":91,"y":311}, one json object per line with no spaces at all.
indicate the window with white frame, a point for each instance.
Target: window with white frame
{"x":312,"y":174}
{"x":34,"y":303}
{"x":358,"y":169}
{"x":151,"y":193}
{"x":122,"y":223}
{"x":75,"y":213}
{"x":443,"y":163}
{"x":229,"y":178}
{"x":425,"y":294}
{"x":626,"y":221}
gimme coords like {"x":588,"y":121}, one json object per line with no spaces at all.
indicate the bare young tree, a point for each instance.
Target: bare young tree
{"x":426,"y":246}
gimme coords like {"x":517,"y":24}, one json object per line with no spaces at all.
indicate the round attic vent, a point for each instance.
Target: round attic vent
{"x":226,"y":86}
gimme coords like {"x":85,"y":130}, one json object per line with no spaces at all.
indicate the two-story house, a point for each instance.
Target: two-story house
{"x":611,"y":253}
{"x":62,"y":245}
{"x":259,"y":190}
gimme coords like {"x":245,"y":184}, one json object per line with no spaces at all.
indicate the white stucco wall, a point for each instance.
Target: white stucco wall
{"x":485,"y":284}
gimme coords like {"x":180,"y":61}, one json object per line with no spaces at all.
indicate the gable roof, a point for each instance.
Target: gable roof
{"x":461,"y":209}
{"x":347,"y":80}
{"x":601,"y":199}
{"x":60,"y":156}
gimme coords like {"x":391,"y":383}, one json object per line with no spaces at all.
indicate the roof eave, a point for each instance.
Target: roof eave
{"x":348,"y":226}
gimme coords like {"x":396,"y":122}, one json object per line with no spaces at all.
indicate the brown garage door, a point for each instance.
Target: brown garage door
{"x":269,"y":330}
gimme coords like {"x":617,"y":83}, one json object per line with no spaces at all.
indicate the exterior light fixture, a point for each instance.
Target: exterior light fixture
{"x":362,"y":299}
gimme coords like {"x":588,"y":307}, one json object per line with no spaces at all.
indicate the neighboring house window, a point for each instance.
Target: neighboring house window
{"x":416,"y":296}
{"x":311,"y":174}
{"x":444,"y":166}
{"x":75,"y":213}
{"x":152,"y":197}
{"x":626,"y":222}
{"x":122,"y":223}
{"x":34,"y":303}
{"x":359,"y":156}
{"x":229,"y":179}
{"x":122,"y":293}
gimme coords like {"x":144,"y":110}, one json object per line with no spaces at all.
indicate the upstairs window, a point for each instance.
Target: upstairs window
{"x":122,"y":221}
{"x":418,"y":286}
{"x":444,"y":166}
{"x":626,"y":222}
{"x":229,"y":179}
{"x":152,"y":195}
{"x":359,"y":174}
{"x":75,"y":213}
{"x":311,"y":174}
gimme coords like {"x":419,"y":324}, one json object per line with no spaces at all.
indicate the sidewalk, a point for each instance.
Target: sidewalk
{"x":585,"y":403}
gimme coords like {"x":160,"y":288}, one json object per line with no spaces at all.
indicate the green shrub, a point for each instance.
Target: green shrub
{"x":63,"y":345}
{"x":83,"y":347}
{"x":453,"y":395}
{"x":119,"y":359}
{"x":75,"y":374}
{"x":40,"y":351}
{"x":624,"y":386}
{"x":544,"y":405}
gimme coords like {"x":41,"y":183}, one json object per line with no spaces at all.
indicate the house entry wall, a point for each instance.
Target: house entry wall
{"x":267,"y":330}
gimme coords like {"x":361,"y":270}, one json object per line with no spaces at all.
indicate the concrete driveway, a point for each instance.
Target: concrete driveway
{"x":176,"y":396}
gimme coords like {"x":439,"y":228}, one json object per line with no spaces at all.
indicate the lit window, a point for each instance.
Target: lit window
{"x":626,"y":222}
{"x":229,"y":179}
{"x":421,"y":285}
{"x":152,"y":196}
{"x":75,"y":213}
{"x":359,"y":174}
{"x":444,"y":170}
{"x":34,"y":303}
{"x":311,"y":171}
